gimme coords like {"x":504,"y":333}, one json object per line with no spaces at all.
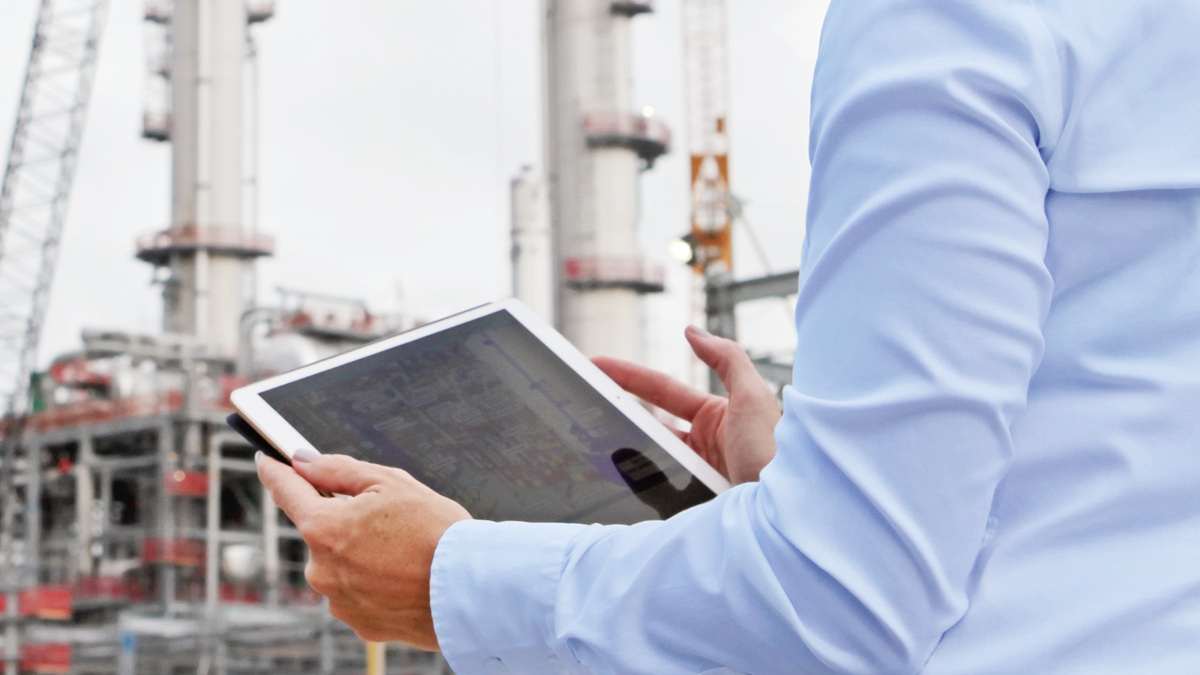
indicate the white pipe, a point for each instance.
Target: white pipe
{"x":532,"y":258}
{"x":84,"y":500}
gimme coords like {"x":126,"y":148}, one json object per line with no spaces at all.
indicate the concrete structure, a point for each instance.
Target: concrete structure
{"x":596,"y":145}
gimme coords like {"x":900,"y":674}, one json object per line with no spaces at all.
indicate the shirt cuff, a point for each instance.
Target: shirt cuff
{"x":492,"y":589}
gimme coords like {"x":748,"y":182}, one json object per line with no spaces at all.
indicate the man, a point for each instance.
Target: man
{"x":987,"y":462}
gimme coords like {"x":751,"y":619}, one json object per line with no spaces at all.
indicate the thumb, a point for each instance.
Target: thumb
{"x":731,"y":363}
{"x":291,"y":492}
{"x":340,"y":474}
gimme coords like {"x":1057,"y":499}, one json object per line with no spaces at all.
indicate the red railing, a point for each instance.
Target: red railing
{"x":613,"y":271}
{"x":615,"y":125}
{"x":78,"y":372}
{"x":157,"y":11}
{"x":156,"y":126}
{"x":104,"y":410}
{"x":186,"y":483}
{"x":173,"y":551}
{"x":109,"y":588}
{"x":44,"y":602}
{"x":259,"y":10}
{"x":205,"y":236}
{"x":47,"y":657}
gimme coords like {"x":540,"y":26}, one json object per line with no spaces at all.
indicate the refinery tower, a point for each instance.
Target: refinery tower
{"x":136,"y":536}
{"x":206,"y":250}
{"x":591,"y":278}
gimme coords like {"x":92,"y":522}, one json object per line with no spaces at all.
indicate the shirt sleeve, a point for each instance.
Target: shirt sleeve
{"x":922,"y":294}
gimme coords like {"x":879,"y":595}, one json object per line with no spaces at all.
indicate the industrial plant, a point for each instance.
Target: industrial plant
{"x":136,"y":538}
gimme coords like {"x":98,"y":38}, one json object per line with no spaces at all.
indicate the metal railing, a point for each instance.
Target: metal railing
{"x":648,"y":137}
{"x":632,"y":7}
{"x":613,"y":272}
{"x":217,"y":238}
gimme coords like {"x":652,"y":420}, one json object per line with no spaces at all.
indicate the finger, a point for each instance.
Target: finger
{"x":731,"y":363}
{"x":342,"y":474}
{"x":654,"y":387}
{"x":292,"y":493}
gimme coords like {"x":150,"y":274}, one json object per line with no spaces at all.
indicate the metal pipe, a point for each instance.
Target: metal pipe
{"x":84,"y":499}
{"x":532,"y":259}
{"x":376,"y":658}
{"x":12,"y":640}
{"x":270,"y":542}
{"x":212,"y":557}
{"x":166,"y":512}
{"x":249,"y":319}
{"x":33,"y":516}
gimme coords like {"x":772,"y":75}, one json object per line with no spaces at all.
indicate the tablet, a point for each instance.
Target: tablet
{"x":494,"y":409}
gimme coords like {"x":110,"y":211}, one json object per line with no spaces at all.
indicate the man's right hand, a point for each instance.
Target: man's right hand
{"x":736,"y":435}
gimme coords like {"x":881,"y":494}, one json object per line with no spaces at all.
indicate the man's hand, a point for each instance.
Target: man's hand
{"x":370,"y":554}
{"x":736,"y":435}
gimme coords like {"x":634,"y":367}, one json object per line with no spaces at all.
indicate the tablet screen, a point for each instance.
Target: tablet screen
{"x":488,"y":415}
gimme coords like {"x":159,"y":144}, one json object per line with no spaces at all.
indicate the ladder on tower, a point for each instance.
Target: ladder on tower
{"x":33,"y":203}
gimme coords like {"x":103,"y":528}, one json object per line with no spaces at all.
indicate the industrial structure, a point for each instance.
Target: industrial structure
{"x":714,"y":209}
{"x":38,"y":176}
{"x":206,"y":249}
{"x":532,"y":244}
{"x":136,"y":537}
{"x":596,"y":145}
{"x":706,"y":104}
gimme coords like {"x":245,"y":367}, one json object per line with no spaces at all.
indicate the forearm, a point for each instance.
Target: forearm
{"x":919,"y":326}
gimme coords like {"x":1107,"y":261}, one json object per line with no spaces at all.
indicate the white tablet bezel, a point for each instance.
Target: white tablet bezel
{"x":287,"y":439}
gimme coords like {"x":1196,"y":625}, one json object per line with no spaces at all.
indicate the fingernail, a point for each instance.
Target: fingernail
{"x":258,"y":455}
{"x":701,"y":331}
{"x":305,"y":455}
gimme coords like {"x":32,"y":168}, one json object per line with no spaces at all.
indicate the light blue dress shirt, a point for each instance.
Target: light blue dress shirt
{"x":989,"y":460}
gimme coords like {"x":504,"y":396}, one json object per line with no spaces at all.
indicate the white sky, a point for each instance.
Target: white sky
{"x":390,"y":131}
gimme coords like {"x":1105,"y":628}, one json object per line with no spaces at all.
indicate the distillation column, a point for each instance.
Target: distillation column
{"x":595,"y":148}
{"x":532,"y":263}
{"x":206,"y":251}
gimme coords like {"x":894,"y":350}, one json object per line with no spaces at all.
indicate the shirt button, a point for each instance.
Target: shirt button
{"x":495,"y":666}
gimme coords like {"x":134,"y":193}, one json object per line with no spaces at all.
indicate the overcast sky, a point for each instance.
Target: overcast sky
{"x":390,"y":131}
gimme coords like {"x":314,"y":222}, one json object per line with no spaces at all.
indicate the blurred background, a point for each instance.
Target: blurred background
{"x":389,"y":133}
{"x":620,"y":166}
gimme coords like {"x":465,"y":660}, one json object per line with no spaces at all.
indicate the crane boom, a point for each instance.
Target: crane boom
{"x":38,"y":177}
{"x":33,"y":203}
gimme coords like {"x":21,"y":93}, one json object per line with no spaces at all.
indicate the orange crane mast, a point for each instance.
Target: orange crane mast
{"x":706,"y":99}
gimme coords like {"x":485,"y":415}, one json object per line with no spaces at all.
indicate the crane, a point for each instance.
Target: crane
{"x":714,"y":208}
{"x":706,"y":108}
{"x":706,"y":99}
{"x":33,"y":204}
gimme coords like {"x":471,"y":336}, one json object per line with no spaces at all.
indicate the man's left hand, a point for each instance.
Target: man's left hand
{"x":370,"y":554}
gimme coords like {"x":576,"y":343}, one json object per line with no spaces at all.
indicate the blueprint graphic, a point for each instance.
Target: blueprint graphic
{"x":487,"y":415}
